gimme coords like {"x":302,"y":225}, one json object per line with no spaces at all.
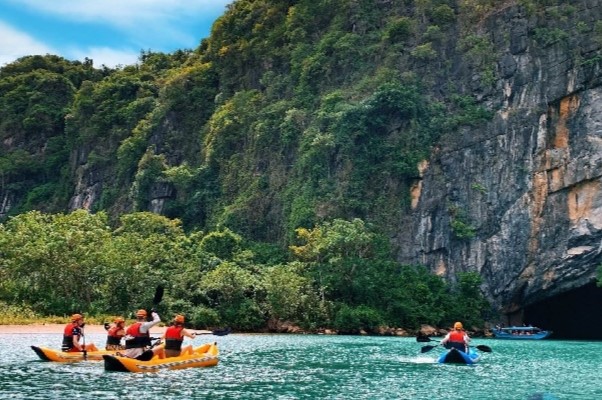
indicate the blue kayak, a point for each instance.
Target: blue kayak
{"x":455,"y":356}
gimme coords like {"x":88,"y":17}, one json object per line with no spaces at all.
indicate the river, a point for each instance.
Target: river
{"x":316,"y":367}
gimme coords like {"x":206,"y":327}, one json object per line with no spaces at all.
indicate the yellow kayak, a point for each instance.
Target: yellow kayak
{"x":203,"y":356}
{"x":47,"y":354}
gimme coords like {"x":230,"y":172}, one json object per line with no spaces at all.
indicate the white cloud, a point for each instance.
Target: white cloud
{"x":156,"y":25}
{"x":126,"y":14}
{"x":15,"y":44}
{"x":105,"y":55}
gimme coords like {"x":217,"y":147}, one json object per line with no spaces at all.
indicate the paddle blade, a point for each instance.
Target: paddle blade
{"x":158,"y":295}
{"x":484,"y":348}
{"x":427,"y":348}
{"x":222,"y":332}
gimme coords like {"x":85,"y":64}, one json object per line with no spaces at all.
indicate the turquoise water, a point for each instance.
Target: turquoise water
{"x":316,"y":367}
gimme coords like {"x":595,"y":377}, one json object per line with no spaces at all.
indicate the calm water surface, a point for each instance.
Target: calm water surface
{"x":316,"y":367}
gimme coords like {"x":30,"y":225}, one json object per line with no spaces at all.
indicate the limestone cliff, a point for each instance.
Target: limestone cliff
{"x":529,"y":183}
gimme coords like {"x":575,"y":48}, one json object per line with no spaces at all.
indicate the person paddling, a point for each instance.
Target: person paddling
{"x":115,"y":333}
{"x":174,"y":337}
{"x":457,"y":338}
{"x":73,"y":333}
{"x":137,"y":337}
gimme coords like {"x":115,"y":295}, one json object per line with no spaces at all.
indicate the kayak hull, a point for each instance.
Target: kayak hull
{"x":47,"y":354}
{"x":203,"y":356}
{"x":455,"y":356}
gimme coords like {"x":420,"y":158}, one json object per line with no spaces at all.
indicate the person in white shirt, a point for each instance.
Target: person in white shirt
{"x":137,"y":337}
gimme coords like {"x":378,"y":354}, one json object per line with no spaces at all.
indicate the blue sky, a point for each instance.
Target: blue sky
{"x":110,"y":32}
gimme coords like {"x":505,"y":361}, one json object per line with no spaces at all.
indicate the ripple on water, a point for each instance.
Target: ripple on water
{"x":311,"y":366}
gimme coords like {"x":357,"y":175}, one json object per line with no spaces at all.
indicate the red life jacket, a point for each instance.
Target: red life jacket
{"x":68,"y":336}
{"x":173,"y":338}
{"x":138,"y":339}
{"x":112,"y":336}
{"x":68,"y":331}
{"x":457,"y":336}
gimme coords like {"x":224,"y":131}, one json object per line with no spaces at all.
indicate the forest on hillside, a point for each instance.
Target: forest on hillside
{"x":259,"y":176}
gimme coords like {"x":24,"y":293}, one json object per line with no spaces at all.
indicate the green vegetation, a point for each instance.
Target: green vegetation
{"x":340,"y":275}
{"x":460,"y":226}
{"x":295,"y":119}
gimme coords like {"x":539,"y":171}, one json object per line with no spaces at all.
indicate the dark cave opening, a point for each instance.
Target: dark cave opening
{"x":571,"y":315}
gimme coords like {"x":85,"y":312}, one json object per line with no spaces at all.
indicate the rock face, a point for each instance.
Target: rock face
{"x":528,"y":184}
{"x":518,"y":200}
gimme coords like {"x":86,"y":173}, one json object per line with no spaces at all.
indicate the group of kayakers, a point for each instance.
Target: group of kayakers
{"x":136,"y":337}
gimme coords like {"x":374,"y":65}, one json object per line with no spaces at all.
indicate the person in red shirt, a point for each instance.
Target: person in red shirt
{"x":456,"y":338}
{"x":115,"y":333}
{"x":174,"y":337}
{"x":73,"y":334}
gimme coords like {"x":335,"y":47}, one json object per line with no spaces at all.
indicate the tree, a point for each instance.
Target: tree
{"x":53,"y":262}
{"x":342,"y":257}
{"x":232,"y":290}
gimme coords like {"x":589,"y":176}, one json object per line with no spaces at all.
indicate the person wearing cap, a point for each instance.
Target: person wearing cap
{"x":137,"y":337}
{"x":174,"y":337}
{"x":115,"y":333}
{"x":456,"y":338}
{"x":73,"y":333}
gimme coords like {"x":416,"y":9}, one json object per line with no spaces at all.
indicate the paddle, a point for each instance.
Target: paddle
{"x":216,"y":332}
{"x":425,"y":349}
{"x":425,"y":339}
{"x":156,"y":300}
{"x":158,"y":295}
{"x":84,"y":343}
{"x":420,"y":338}
{"x":483,"y":348}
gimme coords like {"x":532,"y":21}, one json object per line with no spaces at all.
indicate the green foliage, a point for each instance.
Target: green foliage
{"x":290,"y":296}
{"x":352,"y":319}
{"x":202,"y":316}
{"x":461,"y":111}
{"x":344,"y":277}
{"x":443,"y":15}
{"x":434,"y":33}
{"x":461,"y":228}
{"x":424,"y":52}
{"x":223,"y":244}
{"x":479,"y":187}
{"x":227,"y":127}
{"x":230,"y":290}
{"x":550,"y":36}
{"x":150,"y":172}
{"x":346,"y":260}
{"x":51,"y":261}
{"x":473,"y":11}
{"x":468,"y":303}
{"x":399,"y":29}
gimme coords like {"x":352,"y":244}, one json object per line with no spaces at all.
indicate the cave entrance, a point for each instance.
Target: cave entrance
{"x":571,"y":315}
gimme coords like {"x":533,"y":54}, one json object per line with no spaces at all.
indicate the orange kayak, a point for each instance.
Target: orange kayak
{"x":202,"y":356}
{"x":47,"y":354}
